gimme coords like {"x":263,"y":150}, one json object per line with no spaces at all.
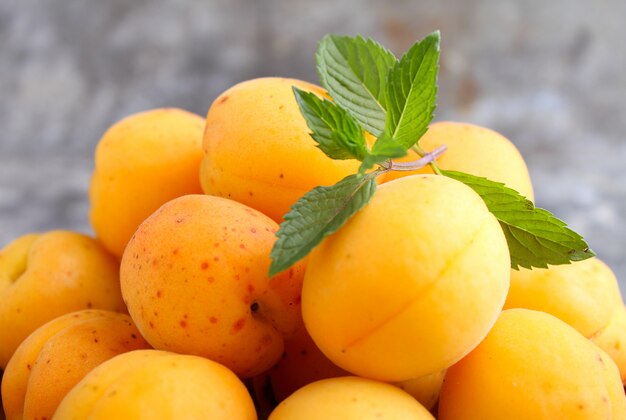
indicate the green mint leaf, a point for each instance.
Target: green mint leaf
{"x":354,"y":71}
{"x":337,"y":134}
{"x":383,"y":150}
{"x":412,"y":92}
{"x":535,"y":237}
{"x":316,"y":215}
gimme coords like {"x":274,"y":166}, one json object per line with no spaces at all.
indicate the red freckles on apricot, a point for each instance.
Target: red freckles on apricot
{"x":229,"y":279}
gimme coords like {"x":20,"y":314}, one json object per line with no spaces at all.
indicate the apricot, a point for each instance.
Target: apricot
{"x":476,"y":150}
{"x":258,"y":151}
{"x":151,"y":384}
{"x":612,"y":339}
{"x":43,"y":276}
{"x":424,"y":389}
{"x":532,"y":365}
{"x":301,"y":363}
{"x":141,"y":162}
{"x":195,"y":279}
{"x":410,"y":284}
{"x":584,"y":294}
{"x":59,"y":354}
{"x":614,"y":386}
{"x":349,"y":398}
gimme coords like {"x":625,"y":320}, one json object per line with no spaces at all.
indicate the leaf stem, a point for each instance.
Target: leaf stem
{"x":426,"y":158}
{"x":433,"y":163}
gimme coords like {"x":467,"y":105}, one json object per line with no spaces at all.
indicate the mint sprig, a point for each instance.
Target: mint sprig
{"x":395,"y":100}
{"x":316,"y":215}
{"x":535,"y":237}
{"x":334,"y":130}
{"x":354,"y":71}
{"x":412,"y":92}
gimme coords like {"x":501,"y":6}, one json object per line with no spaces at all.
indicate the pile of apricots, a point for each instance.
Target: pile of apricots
{"x":408,"y":311}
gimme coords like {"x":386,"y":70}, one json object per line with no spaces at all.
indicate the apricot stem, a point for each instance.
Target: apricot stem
{"x":433,"y":162}
{"x":427,"y":158}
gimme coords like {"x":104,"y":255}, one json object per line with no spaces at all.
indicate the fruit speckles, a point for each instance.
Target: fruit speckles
{"x":226,"y":273}
{"x":239,"y":324}
{"x":159,"y":293}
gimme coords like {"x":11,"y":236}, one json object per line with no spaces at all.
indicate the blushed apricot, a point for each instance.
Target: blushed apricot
{"x":43,"y":276}
{"x":141,"y":162}
{"x":476,"y":150}
{"x":584,"y":294}
{"x":531,"y":365}
{"x":257,"y":148}
{"x":15,"y":379}
{"x":59,"y":354}
{"x":195,"y":279}
{"x":151,"y":384}
{"x":410,"y":284}
{"x":302,"y":363}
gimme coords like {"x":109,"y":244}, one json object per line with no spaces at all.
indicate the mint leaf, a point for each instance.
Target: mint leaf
{"x":354,"y":71}
{"x":316,"y":215}
{"x":337,"y":134}
{"x":383,"y":150}
{"x":535,"y":237}
{"x":412,"y":92}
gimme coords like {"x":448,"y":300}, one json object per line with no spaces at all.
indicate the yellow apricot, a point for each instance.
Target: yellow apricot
{"x":410,"y":284}
{"x":614,"y":386}
{"x":612,"y":339}
{"x":475,"y":150}
{"x":258,"y":150}
{"x":531,"y":365}
{"x":141,"y":162}
{"x":424,"y":389}
{"x":151,"y":384}
{"x":59,"y":354}
{"x":349,"y":398}
{"x":584,"y":294}
{"x":47,"y":275}
{"x":195,"y":279}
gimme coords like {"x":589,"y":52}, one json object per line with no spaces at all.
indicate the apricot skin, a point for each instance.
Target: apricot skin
{"x":257,"y":148}
{"x":612,"y":339}
{"x":410,"y":284}
{"x":150,"y":384}
{"x":424,"y":389}
{"x":59,"y":354}
{"x":584,"y":294}
{"x":141,"y":162}
{"x":195,"y":279}
{"x":44,"y":276}
{"x":476,"y":150}
{"x":532,"y":365}
{"x":302,"y":363}
{"x":349,"y":398}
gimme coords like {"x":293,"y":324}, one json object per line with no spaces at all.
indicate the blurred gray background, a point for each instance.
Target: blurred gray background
{"x":551,"y":76}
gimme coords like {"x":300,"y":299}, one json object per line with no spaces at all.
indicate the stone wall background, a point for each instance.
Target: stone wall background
{"x":551,"y":76}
